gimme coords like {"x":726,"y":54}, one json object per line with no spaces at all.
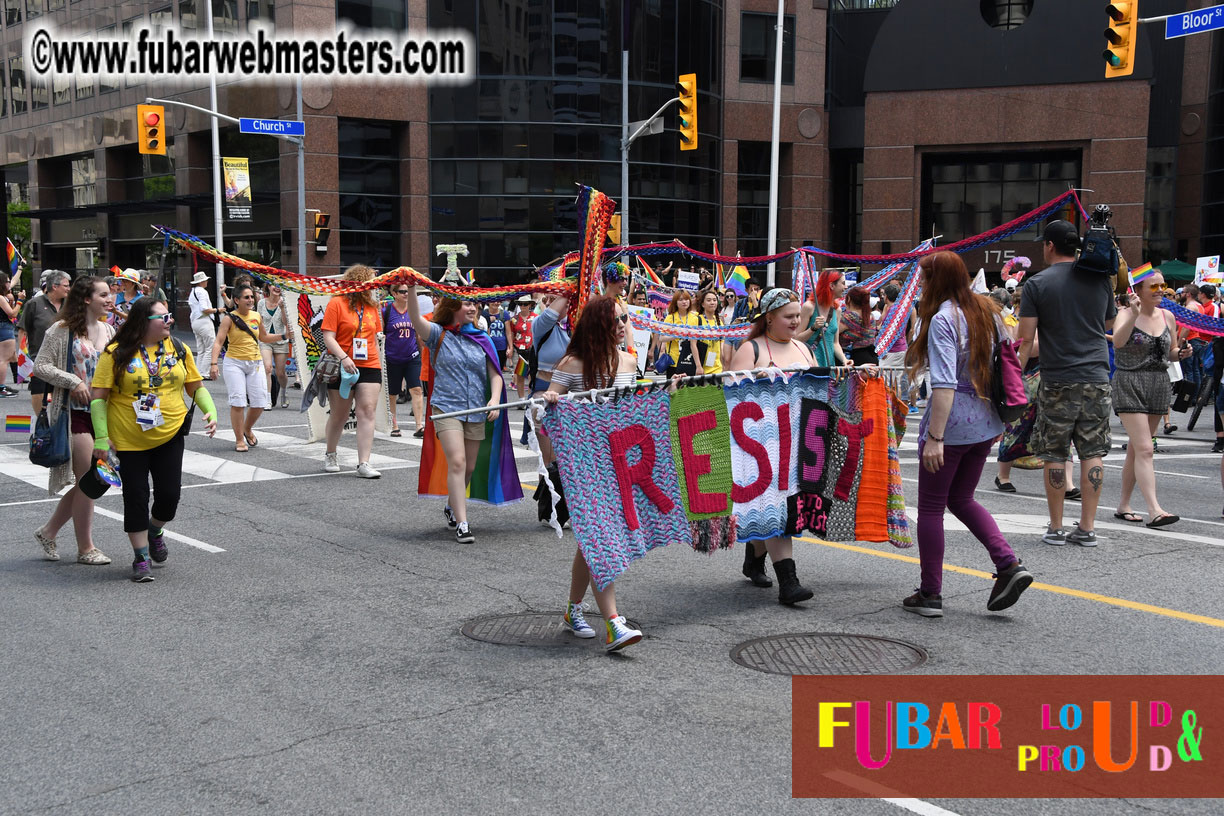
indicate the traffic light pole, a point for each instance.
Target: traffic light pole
{"x":626,"y":142}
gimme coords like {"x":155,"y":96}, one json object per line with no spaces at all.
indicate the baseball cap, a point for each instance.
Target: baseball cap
{"x":1063,"y":235}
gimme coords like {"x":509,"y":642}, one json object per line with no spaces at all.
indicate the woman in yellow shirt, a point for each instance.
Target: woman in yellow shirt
{"x":685,"y":358}
{"x":710,"y":351}
{"x":246,"y":380}
{"x":138,"y":411}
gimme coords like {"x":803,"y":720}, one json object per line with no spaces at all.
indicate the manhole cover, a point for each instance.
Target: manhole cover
{"x":828,"y":653}
{"x":530,"y":629}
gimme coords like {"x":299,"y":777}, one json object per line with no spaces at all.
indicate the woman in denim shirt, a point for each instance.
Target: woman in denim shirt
{"x":956,"y":342}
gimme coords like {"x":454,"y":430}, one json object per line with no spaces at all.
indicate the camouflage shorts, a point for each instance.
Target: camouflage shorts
{"x":1069,"y":412}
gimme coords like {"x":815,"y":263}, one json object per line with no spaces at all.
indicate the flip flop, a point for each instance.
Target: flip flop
{"x":1130,"y":516}
{"x":1164,"y":521}
{"x":251,"y":440}
{"x":396,"y":432}
{"x":242,"y":449}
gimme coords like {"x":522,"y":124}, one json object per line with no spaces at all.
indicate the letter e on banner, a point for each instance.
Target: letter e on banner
{"x":696,"y":464}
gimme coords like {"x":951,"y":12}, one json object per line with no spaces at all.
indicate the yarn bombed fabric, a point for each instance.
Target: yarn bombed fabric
{"x":709,"y":464}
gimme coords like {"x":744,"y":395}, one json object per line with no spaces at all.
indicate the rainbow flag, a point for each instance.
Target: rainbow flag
{"x":115,"y":270}
{"x":738,"y":280}
{"x":25,"y":365}
{"x":14,"y":258}
{"x":720,"y":280}
{"x":1141,"y":273}
{"x":520,"y":367}
{"x":17,"y":423}
{"x":650,"y":273}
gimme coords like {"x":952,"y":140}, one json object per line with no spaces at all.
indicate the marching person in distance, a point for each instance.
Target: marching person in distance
{"x":595,"y":360}
{"x":685,"y":357}
{"x":129,"y":286}
{"x":351,"y":324}
{"x":520,"y":330}
{"x":201,"y":320}
{"x":274,"y":317}
{"x":820,"y":317}
{"x":38,"y":315}
{"x":244,"y":370}
{"x":858,"y":328}
{"x":1073,"y":310}
{"x":709,"y":352}
{"x":77,"y":338}
{"x":139,"y":411}
{"x":403,"y":359}
{"x":8,"y":333}
{"x":956,"y":343}
{"x":772,"y":340}
{"x":1143,"y":340}
{"x":462,"y":374}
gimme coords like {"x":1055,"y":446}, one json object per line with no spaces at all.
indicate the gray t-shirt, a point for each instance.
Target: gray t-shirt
{"x":1071,"y":310}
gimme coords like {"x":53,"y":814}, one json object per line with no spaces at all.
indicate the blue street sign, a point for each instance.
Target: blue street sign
{"x":1194,"y":22}
{"x":272,"y":127}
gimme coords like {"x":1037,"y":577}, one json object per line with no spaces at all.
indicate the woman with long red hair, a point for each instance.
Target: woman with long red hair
{"x":822,"y":331}
{"x":858,"y":328}
{"x":595,"y":359}
{"x":956,"y":343}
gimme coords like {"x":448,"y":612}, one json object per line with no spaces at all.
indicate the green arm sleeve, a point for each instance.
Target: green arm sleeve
{"x":203,"y":399}
{"x":97,"y":415}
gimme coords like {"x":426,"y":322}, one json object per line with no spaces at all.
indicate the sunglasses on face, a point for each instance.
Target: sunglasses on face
{"x":1155,"y":287}
{"x":623,"y":318}
{"x":165,"y":318}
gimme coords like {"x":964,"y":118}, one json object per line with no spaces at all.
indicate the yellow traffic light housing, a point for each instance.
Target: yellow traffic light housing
{"x":151,"y":125}
{"x":688,"y":111}
{"x":1120,"y":38}
{"x":322,"y":231}
{"x":614,"y":234}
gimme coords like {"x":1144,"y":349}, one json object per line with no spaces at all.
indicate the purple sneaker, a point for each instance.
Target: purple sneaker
{"x":157,"y":546}
{"x":142,"y":571}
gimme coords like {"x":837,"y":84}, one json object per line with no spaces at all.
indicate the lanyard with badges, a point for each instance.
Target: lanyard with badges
{"x":361,"y":349}
{"x":148,"y":406}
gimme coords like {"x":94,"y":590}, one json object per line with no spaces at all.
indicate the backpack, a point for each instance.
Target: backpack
{"x":1007,"y":381}
{"x":1099,"y":254}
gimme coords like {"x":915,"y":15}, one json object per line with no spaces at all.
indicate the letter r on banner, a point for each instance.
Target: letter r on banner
{"x":640,"y":473}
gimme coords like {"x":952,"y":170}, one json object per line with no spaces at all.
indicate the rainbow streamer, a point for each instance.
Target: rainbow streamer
{"x":17,"y":423}
{"x":650,"y":273}
{"x":597,"y":210}
{"x":1141,"y":273}
{"x":720,"y":280}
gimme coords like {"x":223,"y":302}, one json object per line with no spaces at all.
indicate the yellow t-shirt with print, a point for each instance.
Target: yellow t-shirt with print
{"x":673,"y":346}
{"x":121,"y":421}
{"x":243,"y":346}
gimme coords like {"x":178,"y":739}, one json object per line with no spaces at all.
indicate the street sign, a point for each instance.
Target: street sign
{"x":1194,"y":22}
{"x":272,"y":127}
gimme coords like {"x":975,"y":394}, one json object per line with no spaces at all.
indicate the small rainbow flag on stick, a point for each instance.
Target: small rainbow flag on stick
{"x":737,"y":281}
{"x":1141,"y":273}
{"x":14,"y":257}
{"x":650,"y":273}
{"x":17,"y":423}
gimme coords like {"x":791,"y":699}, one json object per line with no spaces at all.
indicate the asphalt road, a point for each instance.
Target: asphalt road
{"x":315,"y":663}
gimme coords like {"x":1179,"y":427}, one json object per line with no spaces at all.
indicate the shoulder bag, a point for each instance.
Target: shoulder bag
{"x":50,"y":443}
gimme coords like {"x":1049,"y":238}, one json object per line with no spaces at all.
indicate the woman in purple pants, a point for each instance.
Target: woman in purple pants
{"x":957,"y":432}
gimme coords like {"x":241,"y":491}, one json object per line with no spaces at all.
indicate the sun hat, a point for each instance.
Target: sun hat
{"x":347,"y":381}
{"x":199,"y":277}
{"x":130,"y":275}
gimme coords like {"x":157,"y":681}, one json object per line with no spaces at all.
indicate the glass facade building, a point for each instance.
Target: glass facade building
{"x":545,"y":114}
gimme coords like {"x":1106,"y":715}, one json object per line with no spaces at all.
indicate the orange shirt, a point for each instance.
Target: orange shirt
{"x":340,"y":318}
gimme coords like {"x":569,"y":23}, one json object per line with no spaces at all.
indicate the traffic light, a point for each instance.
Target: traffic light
{"x":614,"y":231}
{"x":151,"y":123}
{"x":688,"y":111}
{"x":321,"y":231}
{"x":1120,"y":37}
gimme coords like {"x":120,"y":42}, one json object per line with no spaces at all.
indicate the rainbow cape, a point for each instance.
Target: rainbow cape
{"x":738,"y":280}
{"x":1141,"y":273}
{"x":495,"y":479}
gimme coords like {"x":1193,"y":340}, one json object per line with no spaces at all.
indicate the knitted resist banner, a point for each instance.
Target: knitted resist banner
{"x":755,"y":460}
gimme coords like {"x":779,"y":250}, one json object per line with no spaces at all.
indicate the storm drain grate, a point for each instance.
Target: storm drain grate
{"x":531,"y":629}
{"x":828,"y":653}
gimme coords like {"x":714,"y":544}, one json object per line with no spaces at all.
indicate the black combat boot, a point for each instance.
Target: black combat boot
{"x":790,"y":591}
{"x":754,"y":566}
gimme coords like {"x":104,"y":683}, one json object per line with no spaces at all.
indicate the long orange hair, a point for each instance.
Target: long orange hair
{"x":361,"y":274}
{"x":946,"y":278}
{"x":594,"y":342}
{"x":824,"y":287}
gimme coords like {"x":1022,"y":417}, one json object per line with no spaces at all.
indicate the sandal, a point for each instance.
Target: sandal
{"x":251,"y":440}
{"x":1130,"y":516}
{"x":95,"y":557}
{"x":396,"y":432}
{"x":241,"y":447}
{"x":1164,"y":520}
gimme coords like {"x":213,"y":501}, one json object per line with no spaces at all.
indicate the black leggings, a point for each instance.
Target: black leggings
{"x":165,"y":464}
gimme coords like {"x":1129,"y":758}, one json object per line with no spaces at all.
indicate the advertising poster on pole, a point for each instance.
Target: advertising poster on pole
{"x":237,"y":173}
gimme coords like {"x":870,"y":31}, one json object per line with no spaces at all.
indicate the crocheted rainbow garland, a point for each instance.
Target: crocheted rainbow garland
{"x":679,"y":331}
{"x":1198,"y":322}
{"x":597,"y":210}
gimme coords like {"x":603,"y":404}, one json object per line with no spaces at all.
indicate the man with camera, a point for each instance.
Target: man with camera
{"x":1074,"y":308}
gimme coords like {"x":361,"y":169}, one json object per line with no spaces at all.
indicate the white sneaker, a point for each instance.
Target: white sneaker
{"x":365,"y":471}
{"x":330,"y":462}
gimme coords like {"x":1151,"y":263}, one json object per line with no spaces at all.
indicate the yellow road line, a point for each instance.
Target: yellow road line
{"x":1058,"y":590}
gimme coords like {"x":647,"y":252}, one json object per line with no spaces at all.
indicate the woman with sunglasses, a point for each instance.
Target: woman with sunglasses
{"x":76,"y":340}
{"x":245,"y":378}
{"x":1143,"y":340}
{"x":273,"y":315}
{"x":595,"y":360}
{"x":138,"y":411}
{"x":403,"y":359}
